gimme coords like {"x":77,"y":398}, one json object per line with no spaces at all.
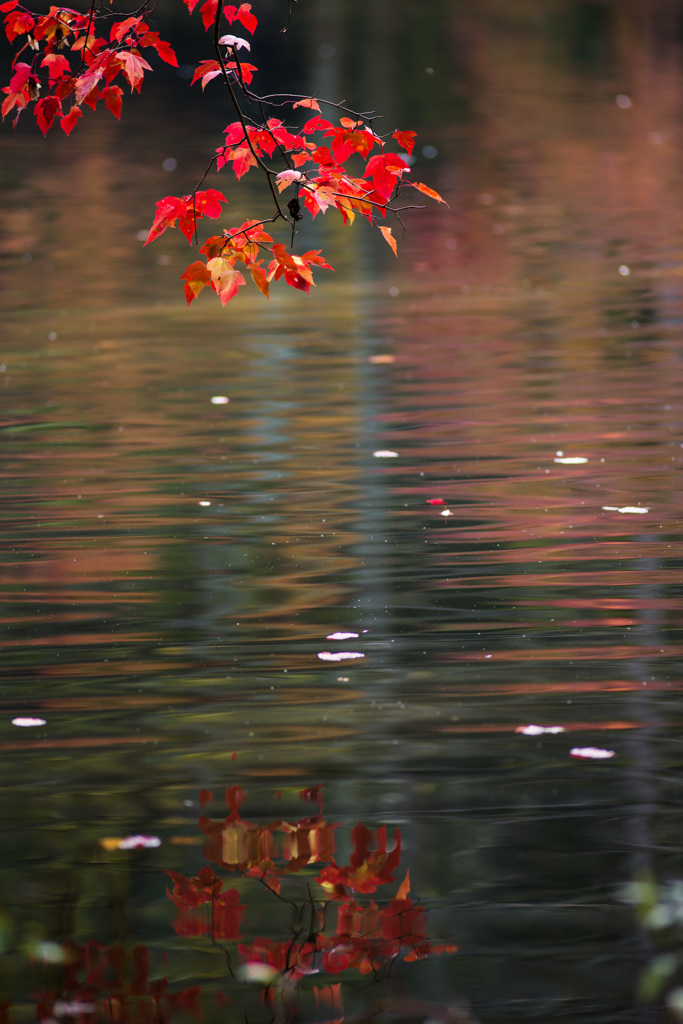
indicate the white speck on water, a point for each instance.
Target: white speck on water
{"x":339,"y":655}
{"x":219,"y":400}
{"x":139,"y":843}
{"x":624,"y":270}
{"x":626,"y":509}
{"x":570,"y":460}
{"x":73,"y":1009}
{"x":591,"y":753}
{"x":538,"y":730}
{"x":341,"y":636}
{"x":28,"y":723}
{"x":385,"y":454}
{"x":446,"y":512}
{"x":205,"y":504}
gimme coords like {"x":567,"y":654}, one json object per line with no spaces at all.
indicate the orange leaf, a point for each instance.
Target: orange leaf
{"x":404,"y":888}
{"x":312,"y":103}
{"x":405,"y":139}
{"x":260,"y":278}
{"x":389,"y":239}
{"x":196,"y":277}
{"x":426,"y":191}
{"x":225,"y":280}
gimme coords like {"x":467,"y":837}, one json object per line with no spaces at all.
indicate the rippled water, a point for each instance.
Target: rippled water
{"x":471,"y":458}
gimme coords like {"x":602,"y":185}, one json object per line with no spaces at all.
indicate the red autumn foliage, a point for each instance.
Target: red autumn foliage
{"x":334,"y":930}
{"x":77,"y":59}
{"x":360,"y":936}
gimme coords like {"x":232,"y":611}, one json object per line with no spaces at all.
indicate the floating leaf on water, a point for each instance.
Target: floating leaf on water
{"x":538,"y":730}
{"x":591,"y":753}
{"x":28,"y":723}
{"x":384,"y":454}
{"x":219,"y":400}
{"x":341,"y":636}
{"x":339,"y":655}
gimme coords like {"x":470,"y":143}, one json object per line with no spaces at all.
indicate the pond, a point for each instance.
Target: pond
{"x":352,"y":546}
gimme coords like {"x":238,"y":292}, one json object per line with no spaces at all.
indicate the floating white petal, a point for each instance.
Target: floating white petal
{"x":591,"y":753}
{"x":72,"y":1009}
{"x":205,"y":504}
{"x":139,"y":842}
{"x":341,"y":636}
{"x":626,"y":509}
{"x":571,"y":460}
{"x":538,"y":730}
{"x":219,"y":400}
{"x":384,"y":454}
{"x":339,"y":655}
{"x":28,"y":723}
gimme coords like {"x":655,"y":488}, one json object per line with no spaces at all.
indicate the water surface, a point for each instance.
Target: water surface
{"x":172,"y":568}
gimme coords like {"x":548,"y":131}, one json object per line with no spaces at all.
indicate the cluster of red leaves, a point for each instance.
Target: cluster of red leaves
{"x":324,"y":185}
{"x":364,"y":937}
{"x":73,"y":65}
{"x":204,"y":908}
{"x":253,"y":849}
{"x":368,"y":868}
{"x":85,"y":68}
{"x":114,"y":983}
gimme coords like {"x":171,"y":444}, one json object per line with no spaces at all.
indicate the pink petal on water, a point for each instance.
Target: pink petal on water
{"x":139,"y":842}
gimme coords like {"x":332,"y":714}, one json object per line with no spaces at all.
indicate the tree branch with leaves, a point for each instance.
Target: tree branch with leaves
{"x":67,"y":60}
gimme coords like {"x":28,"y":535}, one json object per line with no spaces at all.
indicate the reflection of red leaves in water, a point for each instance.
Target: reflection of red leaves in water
{"x":203,"y":908}
{"x":112,"y":984}
{"x":241,"y":845}
{"x":365,"y":936}
{"x":342,"y":931}
{"x":368,"y":869}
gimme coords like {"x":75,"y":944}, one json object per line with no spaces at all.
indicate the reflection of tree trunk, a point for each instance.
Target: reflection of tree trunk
{"x":644,"y":786}
{"x":326,"y":41}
